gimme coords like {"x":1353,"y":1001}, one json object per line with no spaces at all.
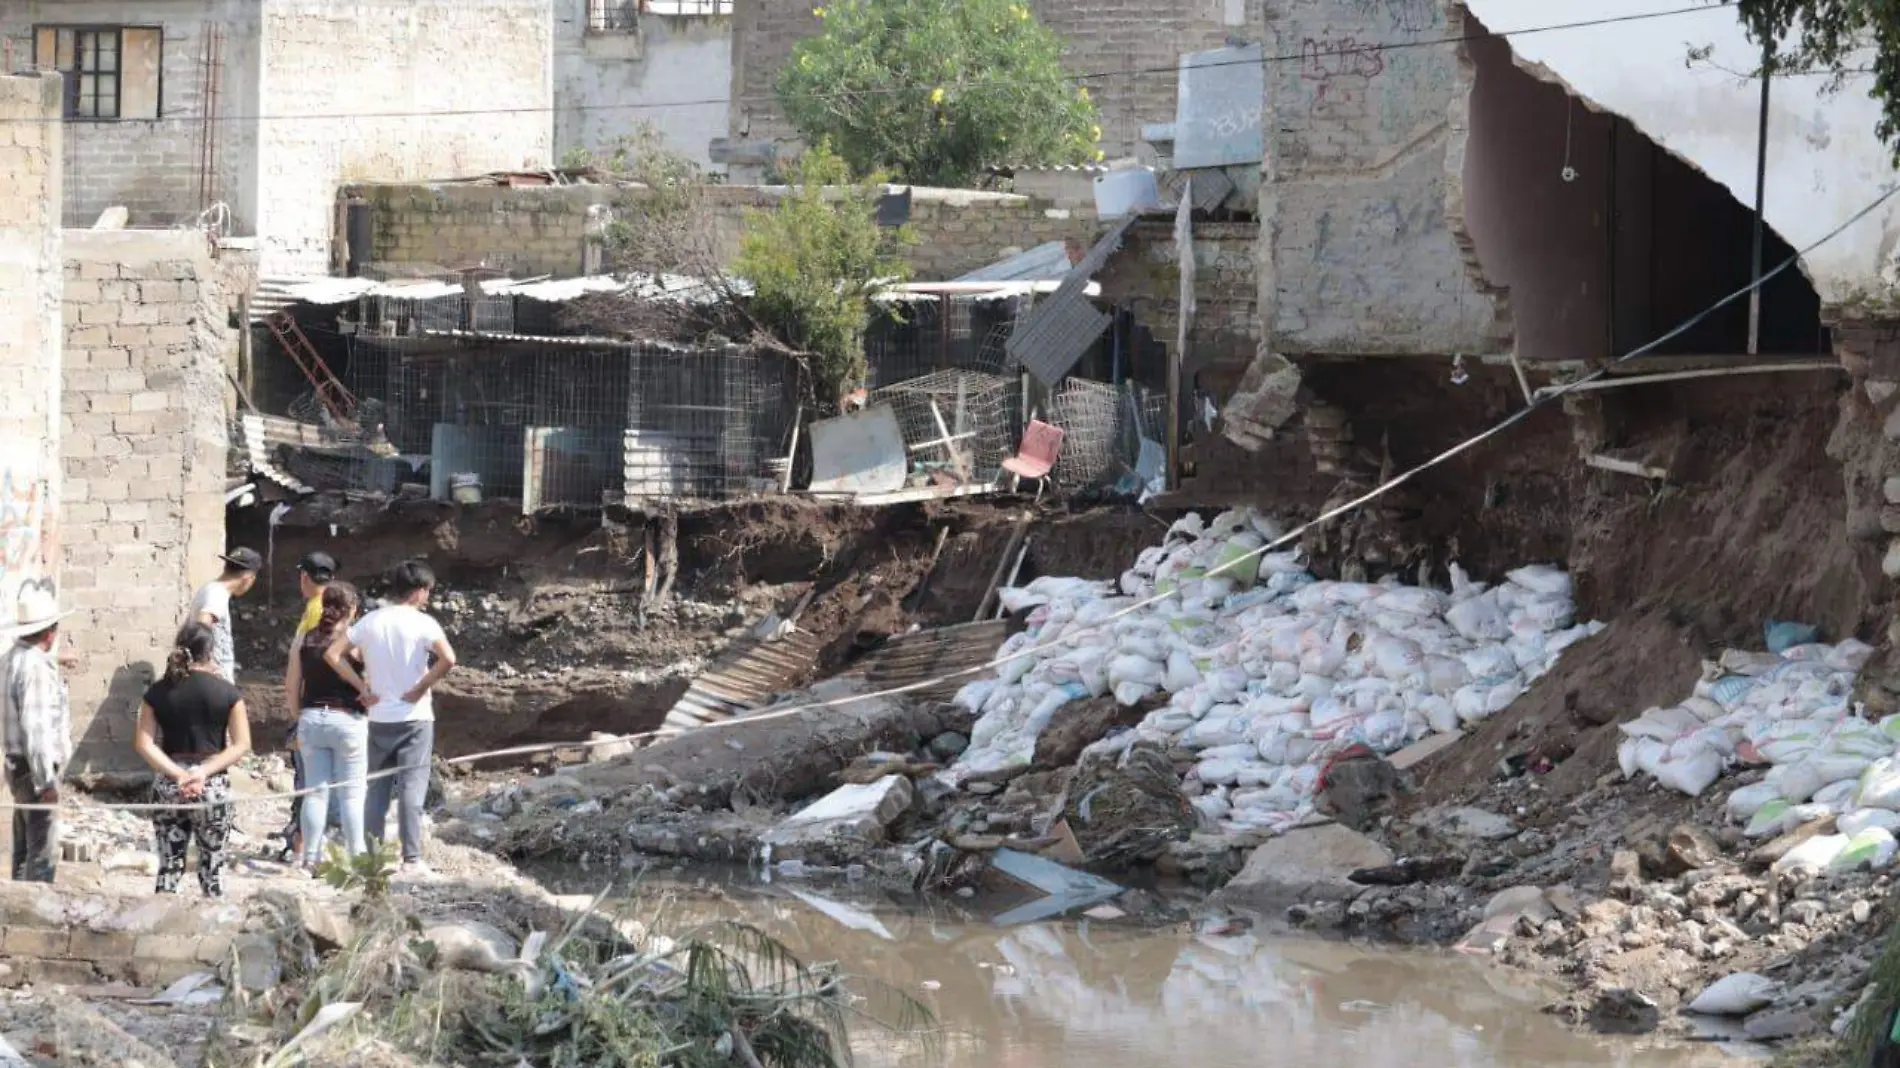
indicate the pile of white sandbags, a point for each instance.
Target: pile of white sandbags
{"x":1270,"y":671}
{"x":1790,"y":710}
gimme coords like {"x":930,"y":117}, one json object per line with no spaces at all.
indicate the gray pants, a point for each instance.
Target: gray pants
{"x":35,"y":831}
{"x":411,"y":747}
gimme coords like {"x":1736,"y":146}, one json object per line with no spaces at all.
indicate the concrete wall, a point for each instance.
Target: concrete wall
{"x":1824,"y":163}
{"x":30,"y":502}
{"x":144,"y":448}
{"x":542,"y":230}
{"x":606,"y":84}
{"x":1364,"y":149}
{"x":389,"y":69}
{"x":151,"y":167}
{"x":1101,"y":35}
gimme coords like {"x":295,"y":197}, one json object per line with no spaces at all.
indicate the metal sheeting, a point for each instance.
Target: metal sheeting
{"x":1047,"y":262}
{"x":746,"y":675}
{"x":1056,"y":333}
{"x":932,"y":654}
{"x":257,"y":447}
{"x":1220,"y":99}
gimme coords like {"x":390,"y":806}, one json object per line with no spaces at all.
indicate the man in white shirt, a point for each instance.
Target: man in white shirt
{"x":405,"y":654}
{"x":211,"y":605}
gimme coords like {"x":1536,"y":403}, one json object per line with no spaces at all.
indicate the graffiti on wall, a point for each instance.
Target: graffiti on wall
{"x":29,"y":541}
{"x":1339,"y":68}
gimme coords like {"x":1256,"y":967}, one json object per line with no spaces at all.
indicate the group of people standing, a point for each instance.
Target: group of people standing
{"x":363,"y":736}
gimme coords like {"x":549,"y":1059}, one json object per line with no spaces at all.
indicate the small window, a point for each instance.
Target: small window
{"x":112,"y":72}
{"x":613,"y":16}
{"x":689,"y":7}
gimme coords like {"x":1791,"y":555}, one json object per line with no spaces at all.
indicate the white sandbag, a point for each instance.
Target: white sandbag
{"x":1169,"y":721}
{"x":1219,"y":772}
{"x":1780,"y":817}
{"x":1880,"y":785}
{"x":1872,"y":849}
{"x":1704,"y":709}
{"x":1858,"y":738}
{"x":1328,"y":710}
{"x":1471,"y":703}
{"x":1396,"y":658}
{"x":1542,"y":579}
{"x":1130,"y":667}
{"x":1813,"y":856}
{"x":1385,"y":731}
{"x":1438,"y":713}
{"x":971,"y":695}
{"x":1445,"y":675}
{"x":1411,"y":601}
{"x":1238,"y":559}
{"x":1850,"y":655}
{"x":1490,"y":663}
{"x":1748,"y":800}
{"x":1550,"y":612}
{"x":1736,"y":995}
{"x":1181,"y":672}
{"x":1739,"y":662}
{"x":1479,"y":619}
{"x":1640,"y":754}
{"x":1862,"y":819}
{"x":1663,"y":724}
{"x":1131,"y":693}
{"x":1212,"y":808}
{"x":1690,"y":772}
{"x":1838,"y":796}
{"x":1800,"y":780}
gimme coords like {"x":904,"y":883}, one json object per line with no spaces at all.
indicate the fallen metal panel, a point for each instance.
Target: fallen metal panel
{"x":859,"y":453}
{"x":1221,"y":98}
{"x":257,"y":448}
{"x":746,"y":675}
{"x":932,"y":654}
{"x":1055,"y":336}
{"x":1047,"y":262}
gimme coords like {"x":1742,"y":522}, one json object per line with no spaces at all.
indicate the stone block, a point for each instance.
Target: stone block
{"x":59,"y":972}
{"x":1304,"y":865}
{"x":43,"y":942}
{"x":161,"y":947}
{"x":101,"y":945}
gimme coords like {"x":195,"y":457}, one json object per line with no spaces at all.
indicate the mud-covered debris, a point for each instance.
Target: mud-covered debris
{"x":1355,"y":790}
{"x":846,"y":822}
{"x":1410,"y":870}
{"x":1127,"y":808}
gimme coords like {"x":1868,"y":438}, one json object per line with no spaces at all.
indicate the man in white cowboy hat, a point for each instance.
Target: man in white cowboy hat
{"x":36,"y":727}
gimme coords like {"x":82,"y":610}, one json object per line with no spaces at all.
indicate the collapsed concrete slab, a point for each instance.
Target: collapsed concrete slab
{"x":848,"y":820}
{"x":1304,"y":865}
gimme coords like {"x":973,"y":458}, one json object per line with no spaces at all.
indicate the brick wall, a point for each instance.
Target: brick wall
{"x":1145,"y":39}
{"x":143,"y":449}
{"x":1362,"y":205}
{"x":543,"y":230}
{"x":29,"y":337}
{"x":151,"y":168}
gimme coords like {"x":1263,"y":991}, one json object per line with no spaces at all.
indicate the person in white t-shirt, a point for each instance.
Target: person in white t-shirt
{"x":405,"y":654}
{"x":211,"y":605}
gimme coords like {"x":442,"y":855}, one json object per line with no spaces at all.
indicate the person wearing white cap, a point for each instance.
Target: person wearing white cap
{"x":37,"y":729}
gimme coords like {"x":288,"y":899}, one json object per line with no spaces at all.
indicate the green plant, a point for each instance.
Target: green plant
{"x":369,"y":870}
{"x":1841,"y":37}
{"x":933,"y":91}
{"x":813,"y":264}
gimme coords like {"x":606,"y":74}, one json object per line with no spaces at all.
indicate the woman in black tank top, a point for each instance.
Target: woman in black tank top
{"x":332,"y":731}
{"x":192,"y":728}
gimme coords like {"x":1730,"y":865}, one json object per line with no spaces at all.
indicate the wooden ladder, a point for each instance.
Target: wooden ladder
{"x":331,"y":393}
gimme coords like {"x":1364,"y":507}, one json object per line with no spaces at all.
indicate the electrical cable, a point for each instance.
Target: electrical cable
{"x":1540,"y":400}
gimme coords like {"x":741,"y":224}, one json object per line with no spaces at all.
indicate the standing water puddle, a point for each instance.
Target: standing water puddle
{"x":1080,"y":994}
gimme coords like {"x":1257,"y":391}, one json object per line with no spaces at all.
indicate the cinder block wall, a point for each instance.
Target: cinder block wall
{"x":29,"y":336}
{"x":144,"y":449}
{"x":1136,"y":45}
{"x":543,"y":230}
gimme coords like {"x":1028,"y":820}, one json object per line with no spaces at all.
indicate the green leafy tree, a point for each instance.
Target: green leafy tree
{"x":1844,"y":37}
{"x":814,"y":262}
{"x":933,"y":91}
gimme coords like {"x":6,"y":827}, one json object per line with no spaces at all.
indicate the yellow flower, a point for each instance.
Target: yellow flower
{"x":818,"y":12}
{"x":1095,"y":133}
{"x":1022,"y":13}
{"x":804,"y":62}
{"x":1081,"y":92}
{"x":936,"y":95}
{"x":1100,"y":155}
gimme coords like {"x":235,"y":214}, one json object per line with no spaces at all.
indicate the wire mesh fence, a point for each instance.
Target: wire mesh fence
{"x":957,"y":424}
{"x":1103,"y":427}
{"x":705,"y":423}
{"x":914,"y":339}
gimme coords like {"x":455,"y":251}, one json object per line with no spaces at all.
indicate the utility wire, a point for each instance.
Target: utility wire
{"x":1539,"y":400}
{"x":1304,"y":55}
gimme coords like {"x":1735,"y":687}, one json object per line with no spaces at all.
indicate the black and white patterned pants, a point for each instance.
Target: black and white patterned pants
{"x":177,"y":828}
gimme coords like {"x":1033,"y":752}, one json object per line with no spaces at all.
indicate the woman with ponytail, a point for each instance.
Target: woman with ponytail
{"x":332,"y":729}
{"x":192,"y":728}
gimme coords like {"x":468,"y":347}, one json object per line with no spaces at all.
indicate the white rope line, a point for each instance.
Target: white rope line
{"x":1541,"y":400}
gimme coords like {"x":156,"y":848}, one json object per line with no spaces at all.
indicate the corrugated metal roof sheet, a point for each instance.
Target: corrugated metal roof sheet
{"x":743,"y":677}
{"x":257,"y":448}
{"x":1047,"y":262}
{"x":932,"y":654}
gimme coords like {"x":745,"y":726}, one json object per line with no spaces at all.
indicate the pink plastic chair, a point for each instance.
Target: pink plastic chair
{"x":1036,"y":456}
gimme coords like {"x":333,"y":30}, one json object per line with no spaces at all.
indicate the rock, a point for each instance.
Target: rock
{"x":253,"y":966}
{"x":131,"y":860}
{"x":948,"y":746}
{"x":327,"y":931}
{"x":1771,"y":1024}
{"x":1804,"y":912}
{"x":1623,"y":1012}
{"x":602,"y":748}
{"x":1079,"y":724}
{"x":1626,"y":871}
{"x":1861,"y":911}
{"x":1410,"y":870}
{"x":1356,"y":790}
{"x":1306,"y":864}
{"x":1688,"y":848}
{"x":853,"y":817}
{"x":1466,"y":822}
{"x":1519,"y":901}
{"x":1563,"y":901}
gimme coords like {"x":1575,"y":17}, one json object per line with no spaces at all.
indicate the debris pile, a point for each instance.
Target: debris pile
{"x":1272,"y":673}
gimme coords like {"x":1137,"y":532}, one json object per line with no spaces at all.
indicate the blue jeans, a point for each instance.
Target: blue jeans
{"x":411,"y":747}
{"x":335,"y":750}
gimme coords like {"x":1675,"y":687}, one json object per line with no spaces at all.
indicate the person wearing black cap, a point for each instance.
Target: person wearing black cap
{"x":211,"y":605}
{"x":315,"y":571}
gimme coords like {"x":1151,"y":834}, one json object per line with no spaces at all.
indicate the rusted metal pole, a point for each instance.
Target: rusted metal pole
{"x":1761,"y":190}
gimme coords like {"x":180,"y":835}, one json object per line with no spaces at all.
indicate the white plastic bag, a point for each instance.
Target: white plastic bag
{"x":1736,"y":995}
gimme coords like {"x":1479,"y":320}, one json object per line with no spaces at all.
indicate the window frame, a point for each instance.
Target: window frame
{"x":69,"y":105}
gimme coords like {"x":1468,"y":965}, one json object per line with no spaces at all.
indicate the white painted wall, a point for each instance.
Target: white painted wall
{"x":607,"y":83}
{"x":1824,"y":163}
{"x":391,"y":90}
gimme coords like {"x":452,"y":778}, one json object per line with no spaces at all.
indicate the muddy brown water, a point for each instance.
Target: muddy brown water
{"x":1079,"y":993}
